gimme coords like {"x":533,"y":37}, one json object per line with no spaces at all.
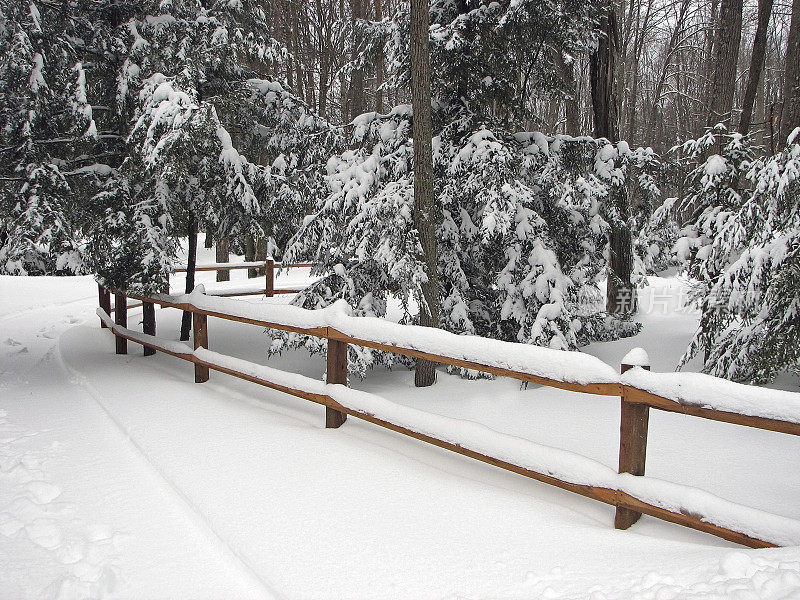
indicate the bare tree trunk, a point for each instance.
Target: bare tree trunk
{"x":324,"y":71}
{"x":261,"y":253}
{"x":605,"y":103}
{"x":620,"y":293}
{"x":209,"y":237}
{"x":640,"y":33}
{"x":571,"y":108}
{"x":186,"y":322}
{"x":250,"y":254}
{"x":671,"y":50}
{"x":223,"y":256}
{"x":756,"y":65}
{"x":726,"y":56}
{"x":790,"y":115}
{"x":424,"y":209}
{"x":708,"y":54}
{"x":380,"y":67}
{"x":761,"y":112}
{"x":356,"y":101}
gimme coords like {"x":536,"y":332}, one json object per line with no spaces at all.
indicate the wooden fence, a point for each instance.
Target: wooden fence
{"x":635,"y":403}
{"x":268,"y":266}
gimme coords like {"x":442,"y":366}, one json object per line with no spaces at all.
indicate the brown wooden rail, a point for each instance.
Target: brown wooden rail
{"x":246,"y":265}
{"x":269,"y":290}
{"x":635,"y":404}
{"x":268,"y":266}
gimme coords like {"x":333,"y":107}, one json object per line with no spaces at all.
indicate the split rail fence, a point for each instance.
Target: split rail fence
{"x":268,"y":266}
{"x":635,"y":402}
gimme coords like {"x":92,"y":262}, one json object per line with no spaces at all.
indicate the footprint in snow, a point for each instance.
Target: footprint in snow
{"x":43,"y":492}
{"x":31,"y":509}
{"x":9,"y":524}
{"x":45,"y":533}
{"x":12,"y":471}
{"x":12,"y":342}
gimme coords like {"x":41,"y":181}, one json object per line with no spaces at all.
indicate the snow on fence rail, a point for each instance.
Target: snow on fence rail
{"x":628,"y":490}
{"x":268,"y":266}
{"x":257,"y":264}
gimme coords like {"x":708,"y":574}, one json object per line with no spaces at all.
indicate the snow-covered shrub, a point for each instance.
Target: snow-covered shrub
{"x":716,"y":187}
{"x":744,"y":251}
{"x":521,"y":233}
{"x":209,"y":142}
{"x":45,"y":120}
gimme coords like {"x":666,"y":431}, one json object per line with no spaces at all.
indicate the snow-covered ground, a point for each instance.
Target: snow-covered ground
{"x":121,"y":478}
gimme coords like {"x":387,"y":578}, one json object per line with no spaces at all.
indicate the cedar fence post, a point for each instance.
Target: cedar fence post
{"x":270,"y":272}
{"x":200,"y":328}
{"x":337,"y":373}
{"x":121,"y":319}
{"x":104,"y":297}
{"x":148,"y":324}
{"x":632,"y":446}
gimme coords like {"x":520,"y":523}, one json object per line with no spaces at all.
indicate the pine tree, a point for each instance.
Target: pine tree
{"x":522,"y":229}
{"x":193,"y":79}
{"x":45,"y":120}
{"x":745,"y":249}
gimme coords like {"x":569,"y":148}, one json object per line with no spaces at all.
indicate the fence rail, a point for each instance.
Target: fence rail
{"x":268,"y":266}
{"x":263,"y":264}
{"x":623,"y":492}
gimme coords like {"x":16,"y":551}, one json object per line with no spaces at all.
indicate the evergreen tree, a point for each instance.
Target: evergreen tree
{"x":45,"y":120}
{"x":213,"y":143}
{"x":743,"y":248}
{"x":522,"y":223}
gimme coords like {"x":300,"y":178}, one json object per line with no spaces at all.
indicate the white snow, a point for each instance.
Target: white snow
{"x":715,"y":165}
{"x":120,"y":477}
{"x":36,"y":78}
{"x":698,"y":389}
{"x":575,"y":367}
{"x":561,"y":464}
{"x":637,"y":357}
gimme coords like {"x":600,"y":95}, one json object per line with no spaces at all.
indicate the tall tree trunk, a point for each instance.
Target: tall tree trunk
{"x":671,"y":50}
{"x":620,"y":293}
{"x":756,"y":65}
{"x":261,"y":253}
{"x":605,"y":103}
{"x":726,"y":56}
{"x":356,"y":101}
{"x":761,"y":111}
{"x":380,"y":66}
{"x":223,"y":256}
{"x":186,"y":322}
{"x":208,"y":241}
{"x":250,"y":254}
{"x":790,"y":115}
{"x":571,"y":108}
{"x":640,"y":32}
{"x":708,"y":50}
{"x":324,"y":71}
{"x":424,"y":209}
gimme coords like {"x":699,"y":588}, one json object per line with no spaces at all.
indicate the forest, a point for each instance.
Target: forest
{"x":513,"y":169}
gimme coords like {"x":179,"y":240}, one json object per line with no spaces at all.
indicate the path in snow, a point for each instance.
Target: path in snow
{"x":172,"y":489}
{"x":82,"y":513}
